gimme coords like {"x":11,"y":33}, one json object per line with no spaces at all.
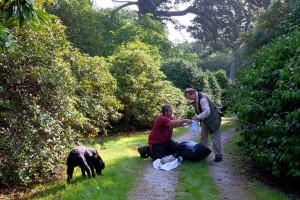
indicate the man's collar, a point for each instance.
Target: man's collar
{"x":197,"y":98}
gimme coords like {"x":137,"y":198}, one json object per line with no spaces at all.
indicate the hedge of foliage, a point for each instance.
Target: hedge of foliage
{"x":48,"y":96}
{"x":268,"y":106}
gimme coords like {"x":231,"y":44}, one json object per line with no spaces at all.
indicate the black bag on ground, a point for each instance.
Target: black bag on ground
{"x":144,"y":151}
{"x":193,"y":151}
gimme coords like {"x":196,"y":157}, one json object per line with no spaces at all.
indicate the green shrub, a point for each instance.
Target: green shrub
{"x":216,"y":62}
{"x":223,"y":82}
{"x":268,"y":106}
{"x":36,"y":106}
{"x":215,"y":88}
{"x":142,"y":87}
{"x":222,"y":79}
{"x":48,"y":93}
{"x":94,"y":94}
{"x":184,"y":74}
{"x":281,"y":18}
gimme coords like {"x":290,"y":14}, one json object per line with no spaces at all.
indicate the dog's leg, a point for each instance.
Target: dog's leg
{"x":85,"y":168}
{"x":70,"y":167}
{"x":83,"y":172}
{"x":70,"y":173}
{"x":92,"y":170}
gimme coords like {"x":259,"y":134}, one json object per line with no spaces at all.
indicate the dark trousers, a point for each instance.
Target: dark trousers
{"x":161,"y":150}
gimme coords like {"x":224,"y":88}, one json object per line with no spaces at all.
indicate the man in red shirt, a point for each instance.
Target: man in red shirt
{"x":160,"y":137}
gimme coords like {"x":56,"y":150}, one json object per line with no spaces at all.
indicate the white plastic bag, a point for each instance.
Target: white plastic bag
{"x":193,"y":128}
{"x":167,"y":166}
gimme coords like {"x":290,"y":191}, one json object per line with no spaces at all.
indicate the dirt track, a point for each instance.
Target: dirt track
{"x":156,"y":184}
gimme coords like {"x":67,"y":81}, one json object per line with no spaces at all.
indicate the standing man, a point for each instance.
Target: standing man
{"x":210,"y":119}
{"x":160,"y":138}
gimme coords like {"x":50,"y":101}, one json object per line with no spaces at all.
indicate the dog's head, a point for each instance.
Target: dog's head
{"x":98,"y":164}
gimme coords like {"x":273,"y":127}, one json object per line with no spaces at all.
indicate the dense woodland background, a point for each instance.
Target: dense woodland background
{"x":70,"y":70}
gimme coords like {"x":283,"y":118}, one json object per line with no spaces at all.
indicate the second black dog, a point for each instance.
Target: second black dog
{"x":87,"y":159}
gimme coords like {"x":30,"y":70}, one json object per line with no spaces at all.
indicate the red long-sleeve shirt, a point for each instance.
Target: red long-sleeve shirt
{"x":161,"y":132}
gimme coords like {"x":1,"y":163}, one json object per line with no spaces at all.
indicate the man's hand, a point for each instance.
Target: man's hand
{"x":186,"y":122}
{"x":195,"y":117}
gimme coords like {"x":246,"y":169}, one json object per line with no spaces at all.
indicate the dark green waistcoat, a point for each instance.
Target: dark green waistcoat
{"x":213,"y":121}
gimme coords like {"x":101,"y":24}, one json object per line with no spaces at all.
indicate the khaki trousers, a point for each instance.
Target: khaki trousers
{"x":215,"y":137}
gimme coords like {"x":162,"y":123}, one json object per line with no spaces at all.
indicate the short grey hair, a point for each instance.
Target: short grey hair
{"x":165,"y":108}
{"x":189,"y":91}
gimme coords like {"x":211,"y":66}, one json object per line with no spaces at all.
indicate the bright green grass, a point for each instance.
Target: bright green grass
{"x":195,"y":182}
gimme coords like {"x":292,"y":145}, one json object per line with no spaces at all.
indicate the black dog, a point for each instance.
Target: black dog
{"x":87,"y":159}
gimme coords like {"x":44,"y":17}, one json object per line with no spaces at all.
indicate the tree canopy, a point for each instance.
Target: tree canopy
{"x":95,"y":32}
{"x":217,"y":24}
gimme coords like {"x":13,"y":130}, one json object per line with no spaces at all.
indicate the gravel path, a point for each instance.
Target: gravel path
{"x":156,"y":184}
{"x":232,"y":184}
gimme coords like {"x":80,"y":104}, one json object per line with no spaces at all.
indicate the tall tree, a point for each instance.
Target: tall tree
{"x":217,"y":24}
{"x":85,"y":28}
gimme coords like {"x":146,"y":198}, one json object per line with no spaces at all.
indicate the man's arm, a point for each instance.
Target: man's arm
{"x":176,"y":123}
{"x":205,"y":110}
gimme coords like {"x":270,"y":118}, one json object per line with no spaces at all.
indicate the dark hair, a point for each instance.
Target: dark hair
{"x":165,"y":108}
{"x":189,"y":91}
